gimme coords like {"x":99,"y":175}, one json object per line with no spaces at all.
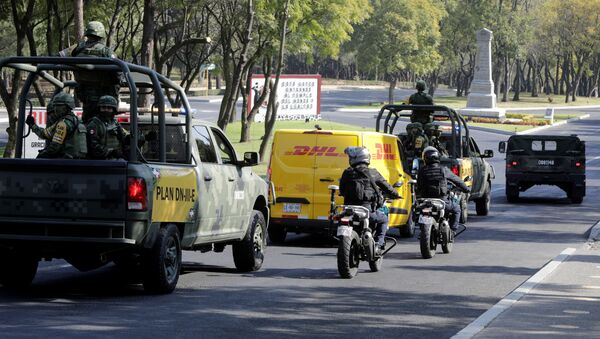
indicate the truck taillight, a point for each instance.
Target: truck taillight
{"x":578,"y":164}
{"x":136,"y":194}
{"x":512,"y":164}
{"x":455,"y":169}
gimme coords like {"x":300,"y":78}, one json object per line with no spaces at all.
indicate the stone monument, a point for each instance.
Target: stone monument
{"x":481,"y":100}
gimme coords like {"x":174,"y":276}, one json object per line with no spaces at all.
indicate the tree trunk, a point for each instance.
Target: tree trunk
{"x":78,"y":13}
{"x":272,"y":107}
{"x":565,"y":78}
{"x":557,"y":81}
{"x":506,"y":77}
{"x":392,"y":86}
{"x":517,"y":81}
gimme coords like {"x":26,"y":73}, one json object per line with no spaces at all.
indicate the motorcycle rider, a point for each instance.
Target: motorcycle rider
{"x":361,"y":185}
{"x":432,"y":183}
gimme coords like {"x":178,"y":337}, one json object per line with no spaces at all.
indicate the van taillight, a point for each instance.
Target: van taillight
{"x":512,"y":164}
{"x":455,"y":170}
{"x":136,"y":194}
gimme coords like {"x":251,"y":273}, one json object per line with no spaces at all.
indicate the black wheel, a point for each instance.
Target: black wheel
{"x":576,"y":199}
{"x":277,"y":233}
{"x":427,"y":241}
{"x":482,"y":205}
{"x":575,"y":196}
{"x":375,"y":265}
{"x":348,"y":256}
{"x":464,"y":209}
{"x":512,"y":193}
{"x":408,"y":230}
{"x":162,"y":263}
{"x":249,"y":253}
{"x":17,"y":269}
{"x":447,"y":240}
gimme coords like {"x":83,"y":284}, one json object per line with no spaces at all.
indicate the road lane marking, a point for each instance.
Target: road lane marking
{"x":486,"y":318}
{"x":592,"y":159}
{"x":53,"y":267}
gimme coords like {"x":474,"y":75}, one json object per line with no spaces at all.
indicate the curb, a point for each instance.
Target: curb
{"x":594,"y":233}
{"x":488,"y":316}
{"x":585,"y":116}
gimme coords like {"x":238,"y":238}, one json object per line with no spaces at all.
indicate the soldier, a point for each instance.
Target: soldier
{"x":433,"y":132}
{"x":63,"y":135}
{"x":106,"y":137}
{"x":416,"y":140}
{"x":92,"y":85}
{"x":421,"y":98}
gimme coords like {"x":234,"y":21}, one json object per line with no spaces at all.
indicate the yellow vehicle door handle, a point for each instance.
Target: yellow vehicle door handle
{"x":326,"y":180}
{"x":230,"y":179}
{"x":207,"y":178}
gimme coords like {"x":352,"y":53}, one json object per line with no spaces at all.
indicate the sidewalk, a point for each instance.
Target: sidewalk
{"x":565,"y":303}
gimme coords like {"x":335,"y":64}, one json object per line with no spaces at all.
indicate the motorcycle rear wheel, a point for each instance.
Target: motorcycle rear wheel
{"x":375,"y":265}
{"x":427,"y":241}
{"x":348,"y":256}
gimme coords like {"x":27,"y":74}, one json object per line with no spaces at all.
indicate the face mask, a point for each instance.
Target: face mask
{"x":60,"y":110}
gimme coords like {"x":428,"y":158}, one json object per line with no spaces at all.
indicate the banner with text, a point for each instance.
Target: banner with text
{"x":298,"y":95}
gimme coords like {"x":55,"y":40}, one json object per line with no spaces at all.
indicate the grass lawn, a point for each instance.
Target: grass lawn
{"x":257,"y":130}
{"x":526,"y":101}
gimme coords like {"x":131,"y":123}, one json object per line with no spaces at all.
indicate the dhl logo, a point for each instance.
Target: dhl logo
{"x":319,"y":151}
{"x":383,"y":151}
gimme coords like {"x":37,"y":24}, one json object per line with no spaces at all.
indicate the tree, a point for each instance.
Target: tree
{"x":408,"y":35}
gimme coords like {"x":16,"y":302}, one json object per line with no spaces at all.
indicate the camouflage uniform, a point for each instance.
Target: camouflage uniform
{"x":106,"y":137}
{"x":421,"y":98}
{"x":63,"y":139}
{"x":416,"y":141}
{"x":433,"y":133}
{"x":93,"y":84}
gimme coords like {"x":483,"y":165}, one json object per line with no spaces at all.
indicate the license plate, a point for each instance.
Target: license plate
{"x":425,"y":219}
{"x":344,"y":231}
{"x":545,"y":162}
{"x":291,"y":208}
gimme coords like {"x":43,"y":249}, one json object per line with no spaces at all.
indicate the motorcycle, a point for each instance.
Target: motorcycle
{"x":434,"y":223}
{"x":356,"y":242}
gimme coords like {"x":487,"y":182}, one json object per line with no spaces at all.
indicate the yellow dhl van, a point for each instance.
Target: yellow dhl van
{"x":305,"y":162}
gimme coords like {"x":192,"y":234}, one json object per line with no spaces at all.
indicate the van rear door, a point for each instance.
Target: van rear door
{"x":330,"y":163}
{"x":292,"y":171}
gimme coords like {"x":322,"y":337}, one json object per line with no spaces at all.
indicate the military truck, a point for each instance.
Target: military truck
{"x":463,"y":156}
{"x":544,"y":160}
{"x":187,"y":189}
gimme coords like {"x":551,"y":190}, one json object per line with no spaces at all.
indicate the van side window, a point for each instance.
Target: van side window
{"x":205,"y":145}
{"x":227,"y":153}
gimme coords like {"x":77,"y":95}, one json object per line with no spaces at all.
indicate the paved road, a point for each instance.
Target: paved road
{"x":298,"y":292}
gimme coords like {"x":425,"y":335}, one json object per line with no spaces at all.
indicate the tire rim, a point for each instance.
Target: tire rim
{"x":171,"y":264}
{"x":354,"y":257}
{"x":258,"y":240}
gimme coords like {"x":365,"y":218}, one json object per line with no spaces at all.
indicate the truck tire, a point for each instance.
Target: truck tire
{"x":512,"y":193}
{"x":482,"y":205}
{"x":464,"y":209}
{"x":162,"y":263}
{"x":408,"y":230}
{"x":17,"y":269}
{"x":277,"y":233}
{"x":248,"y":253}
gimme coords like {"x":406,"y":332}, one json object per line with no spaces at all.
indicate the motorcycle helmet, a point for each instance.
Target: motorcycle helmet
{"x":358,"y":155}
{"x":431,"y":155}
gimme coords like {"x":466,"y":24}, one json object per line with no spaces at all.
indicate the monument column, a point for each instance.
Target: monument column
{"x":481,"y":100}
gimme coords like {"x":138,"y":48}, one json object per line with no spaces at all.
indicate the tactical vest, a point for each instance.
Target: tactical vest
{"x":112,"y":136}
{"x":432,"y":182}
{"x":99,"y":79}
{"x":76,"y":143}
{"x":359,"y":188}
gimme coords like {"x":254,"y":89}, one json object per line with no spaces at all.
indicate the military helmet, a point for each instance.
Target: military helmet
{"x":358,"y":155}
{"x":50,"y":106}
{"x":63,"y":98}
{"x":108,"y":100}
{"x":431,"y":155}
{"x":421,"y":85}
{"x":414,"y":125}
{"x":95,"y":29}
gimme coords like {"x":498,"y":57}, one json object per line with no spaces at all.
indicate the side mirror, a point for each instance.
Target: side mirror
{"x":415,"y":167}
{"x":412,"y":182}
{"x":502,"y":147}
{"x":250,"y":159}
{"x":468,"y":178}
{"x":398,"y":184}
{"x":488,"y":153}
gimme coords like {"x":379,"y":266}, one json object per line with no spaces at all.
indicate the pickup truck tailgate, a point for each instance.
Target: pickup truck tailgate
{"x":62,"y":189}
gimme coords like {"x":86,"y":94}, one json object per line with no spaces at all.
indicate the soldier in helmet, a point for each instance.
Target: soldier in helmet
{"x":106,"y":137}
{"x":433,"y":132}
{"x":361,"y":185}
{"x":92,"y":85}
{"x":421,"y":98}
{"x":63,"y":137}
{"x":416,"y":140}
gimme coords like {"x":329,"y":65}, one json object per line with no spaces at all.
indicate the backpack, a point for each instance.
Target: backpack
{"x":361,"y":188}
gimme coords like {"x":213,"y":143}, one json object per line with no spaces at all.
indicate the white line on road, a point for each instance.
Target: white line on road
{"x":592,"y":159}
{"x":53,"y":267}
{"x":486,"y":318}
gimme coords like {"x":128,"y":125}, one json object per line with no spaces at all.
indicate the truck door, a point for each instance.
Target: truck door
{"x":213,"y":215}
{"x":330,"y":163}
